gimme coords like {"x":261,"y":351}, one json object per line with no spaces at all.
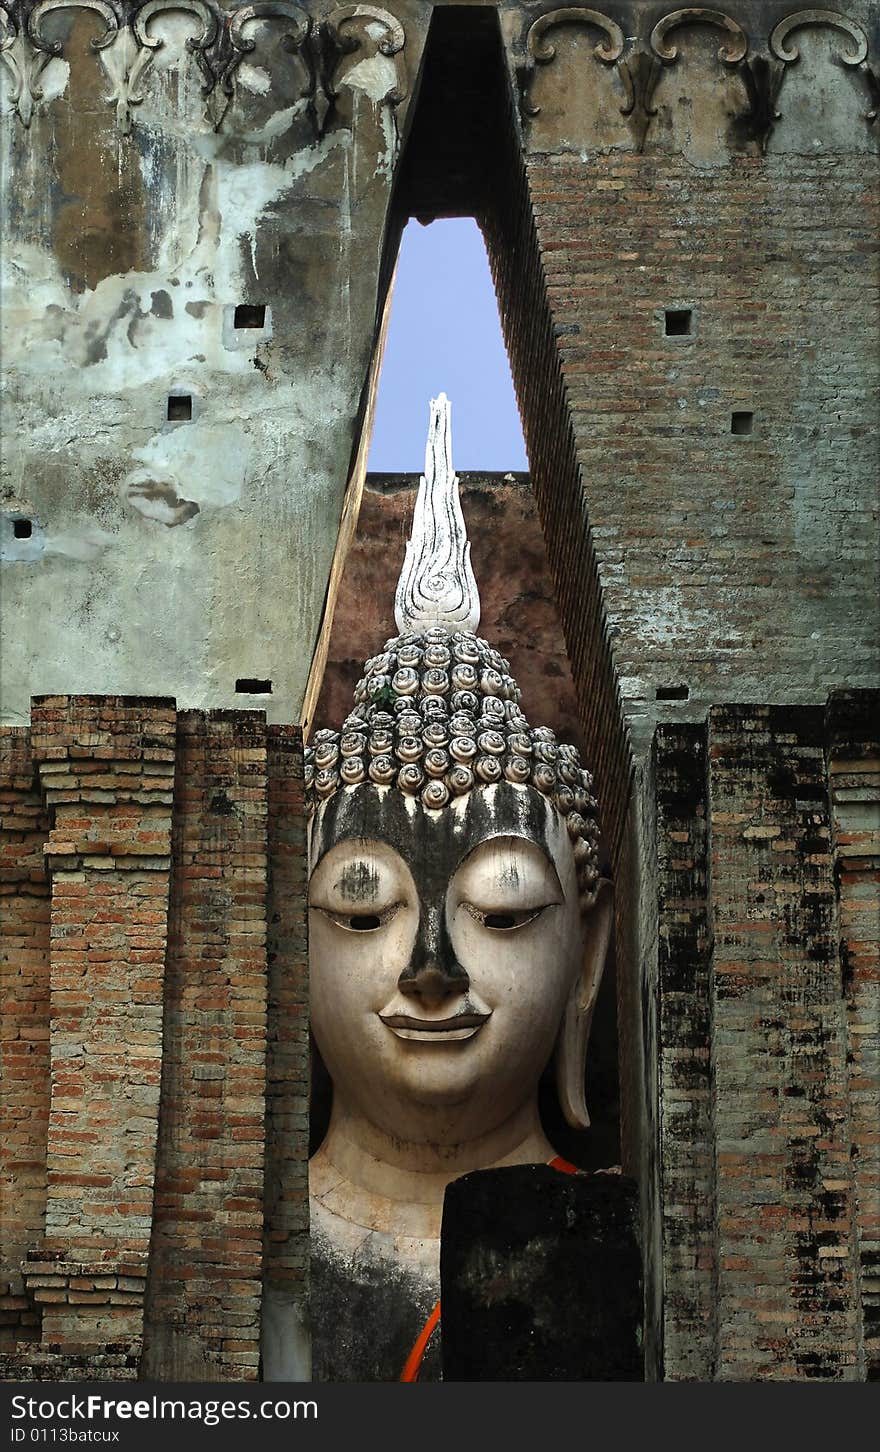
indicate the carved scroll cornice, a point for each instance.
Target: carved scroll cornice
{"x":784,"y":49}
{"x":730,"y":52}
{"x":541,"y":51}
{"x":26,"y":51}
{"x":664,"y":52}
{"x":641,"y":69}
{"x":336,"y":41}
{"x":16,"y":56}
{"x":128,"y":81}
{"x":233,"y":45}
{"x":56,"y":47}
{"x":221,"y":42}
{"x":828,"y":18}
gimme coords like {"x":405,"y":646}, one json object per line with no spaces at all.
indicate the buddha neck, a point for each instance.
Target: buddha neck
{"x":377,"y":1167}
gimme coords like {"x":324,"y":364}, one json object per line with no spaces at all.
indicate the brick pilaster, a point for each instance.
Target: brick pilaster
{"x":106,"y":770}
{"x":206,"y":1254}
{"x":24,"y":1028}
{"x":687,"y":1152}
{"x":286,"y":1234}
{"x":788,"y":1305}
{"x":854,"y":776}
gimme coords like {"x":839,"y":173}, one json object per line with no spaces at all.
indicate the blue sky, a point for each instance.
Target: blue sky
{"x":444,"y":335}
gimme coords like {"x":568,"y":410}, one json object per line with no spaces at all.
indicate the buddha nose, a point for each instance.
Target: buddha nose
{"x":433,"y":973}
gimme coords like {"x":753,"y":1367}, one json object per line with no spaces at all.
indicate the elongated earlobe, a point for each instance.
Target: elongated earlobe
{"x":574,"y":1033}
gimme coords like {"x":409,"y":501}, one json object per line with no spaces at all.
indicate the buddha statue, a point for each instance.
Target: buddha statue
{"x":457,"y":932}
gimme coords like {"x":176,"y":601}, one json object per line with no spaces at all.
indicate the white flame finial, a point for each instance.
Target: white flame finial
{"x":437,"y":585}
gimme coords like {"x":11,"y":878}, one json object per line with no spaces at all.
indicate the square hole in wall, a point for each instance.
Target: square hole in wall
{"x":742,"y":422}
{"x":250,"y":686}
{"x":180,"y":407}
{"x":677,"y":322}
{"x":249,"y":315}
{"x":671,"y":693}
{"x":22,"y":528}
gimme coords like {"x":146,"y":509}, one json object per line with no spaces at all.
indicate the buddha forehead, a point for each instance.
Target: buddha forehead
{"x":435,"y":843}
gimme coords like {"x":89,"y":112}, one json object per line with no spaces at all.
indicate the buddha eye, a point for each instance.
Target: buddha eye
{"x":505,"y":922}
{"x":361,"y":922}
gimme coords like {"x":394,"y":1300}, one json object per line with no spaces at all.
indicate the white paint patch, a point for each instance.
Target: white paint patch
{"x":376,"y":75}
{"x":254,"y":79}
{"x":54,"y":79}
{"x":207,"y":462}
{"x":666,"y":619}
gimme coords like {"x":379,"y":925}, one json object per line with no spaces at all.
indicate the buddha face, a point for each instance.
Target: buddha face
{"x":444,"y":947}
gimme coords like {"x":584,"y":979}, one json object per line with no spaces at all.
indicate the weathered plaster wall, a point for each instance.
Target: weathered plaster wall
{"x":641,"y":167}
{"x":144,"y":553}
{"x":675,"y":161}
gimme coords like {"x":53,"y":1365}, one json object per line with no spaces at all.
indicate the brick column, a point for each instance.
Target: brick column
{"x":788,"y":1305}
{"x":854,"y":774}
{"x":24,"y":1040}
{"x":206,"y":1256}
{"x":286,"y":1229}
{"x":106,"y":768}
{"x":687,"y":1158}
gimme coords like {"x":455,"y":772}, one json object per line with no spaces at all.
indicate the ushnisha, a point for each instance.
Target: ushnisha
{"x":437,"y":712}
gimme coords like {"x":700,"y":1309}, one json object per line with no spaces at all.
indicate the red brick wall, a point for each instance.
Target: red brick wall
{"x":766,"y":1041}
{"x":686,"y":557}
{"x":787,"y":1301}
{"x":162,"y":1125}
{"x":708,"y":544}
{"x":106,"y":768}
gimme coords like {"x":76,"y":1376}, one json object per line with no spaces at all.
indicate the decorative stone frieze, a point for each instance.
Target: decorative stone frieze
{"x":760,"y":65}
{"x":128,"y":47}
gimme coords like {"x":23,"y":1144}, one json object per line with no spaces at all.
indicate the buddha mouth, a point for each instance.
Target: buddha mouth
{"x":454,"y":1029}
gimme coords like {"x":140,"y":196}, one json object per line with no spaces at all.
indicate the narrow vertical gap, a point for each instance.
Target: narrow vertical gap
{"x":444,"y":334}
{"x":463,"y":159}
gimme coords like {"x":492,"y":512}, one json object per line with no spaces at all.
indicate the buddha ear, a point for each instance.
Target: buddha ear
{"x":574,"y":1033}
